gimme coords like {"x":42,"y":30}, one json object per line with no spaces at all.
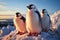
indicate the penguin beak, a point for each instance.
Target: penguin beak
{"x":27,"y":6}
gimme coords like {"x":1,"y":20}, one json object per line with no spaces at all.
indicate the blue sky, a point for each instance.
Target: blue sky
{"x":10,"y":7}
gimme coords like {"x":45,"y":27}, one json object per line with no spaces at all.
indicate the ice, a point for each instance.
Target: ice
{"x":11,"y":28}
{"x":5,"y":31}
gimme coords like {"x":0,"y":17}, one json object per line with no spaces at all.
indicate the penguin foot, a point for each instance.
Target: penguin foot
{"x":29,"y":34}
{"x":35,"y":34}
{"x":21,"y":33}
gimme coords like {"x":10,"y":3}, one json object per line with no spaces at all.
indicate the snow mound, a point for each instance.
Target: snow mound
{"x":14,"y":36}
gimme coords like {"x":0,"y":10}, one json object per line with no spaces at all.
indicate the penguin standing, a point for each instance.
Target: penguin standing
{"x":33,"y":20}
{"x":19,"y":22}
{"x":45,"y":19}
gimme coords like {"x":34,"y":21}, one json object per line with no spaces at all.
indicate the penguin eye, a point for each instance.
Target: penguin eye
{"x":33,"y":7}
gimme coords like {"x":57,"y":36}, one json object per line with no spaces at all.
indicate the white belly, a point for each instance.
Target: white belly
{"x":46,"y":22}
{"x":20,"y":25}
{"x":32,"y":23}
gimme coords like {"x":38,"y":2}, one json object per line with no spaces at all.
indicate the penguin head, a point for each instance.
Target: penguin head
{"x":44,"y":11}
{"x":18,"y":15}
{"x":31,"y":7}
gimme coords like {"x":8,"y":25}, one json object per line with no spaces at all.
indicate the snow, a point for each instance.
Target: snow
{"x":42,"y":36}
{"x":11,"y":28}
{"x":9,"y":33}
{"x":55,"y":18}
{"x":5,"y":31}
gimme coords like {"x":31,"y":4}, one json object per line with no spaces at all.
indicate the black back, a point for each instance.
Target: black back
{"x":38,"y":15}
{"x":23,"y":19}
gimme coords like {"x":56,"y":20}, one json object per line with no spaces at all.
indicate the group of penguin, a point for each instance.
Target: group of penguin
{"x":36,"y":22}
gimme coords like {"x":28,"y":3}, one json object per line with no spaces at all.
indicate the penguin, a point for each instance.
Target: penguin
{"x":33,"y":20}
{"x":45,"y":20}
{"x":19,"y":22}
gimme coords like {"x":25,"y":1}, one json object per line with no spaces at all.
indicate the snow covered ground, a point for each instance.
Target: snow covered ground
{"x":9,"y":33}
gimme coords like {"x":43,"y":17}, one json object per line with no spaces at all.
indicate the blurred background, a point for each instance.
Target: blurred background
{"x":8,"y":8}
